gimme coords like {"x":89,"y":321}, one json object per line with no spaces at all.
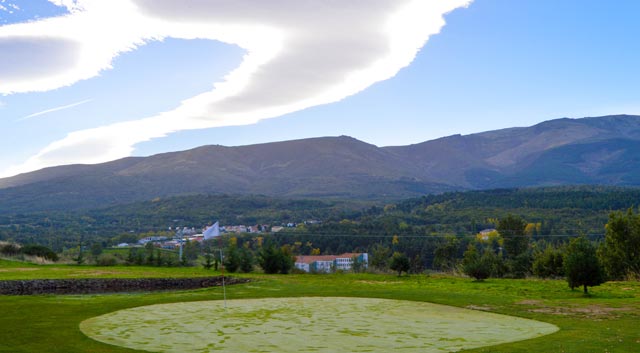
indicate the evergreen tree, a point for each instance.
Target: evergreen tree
{"x":548,"y":263}
{"x":476,"y":265}
{"x":232,"y":259}
{"x":400,"y":263}
{"x":246,"y":260}
{"x":516,"y":245}
{"x":620,"y":253}
{"x":581,"y":265}
{"x":208,"y":261}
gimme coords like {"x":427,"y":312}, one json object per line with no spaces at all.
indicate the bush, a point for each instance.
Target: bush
{"x":40,"y":251}
{"x":479,"y":266}
{"x":400,"y":263}
{"x":10,"y":249}
{"x":106,"y":260}
{"x":548,"y":263}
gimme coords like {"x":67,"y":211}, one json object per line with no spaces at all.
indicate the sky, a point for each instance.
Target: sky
{"x":88,"y":81}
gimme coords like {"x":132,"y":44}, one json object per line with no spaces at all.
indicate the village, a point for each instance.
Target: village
{"x":306,"y":263}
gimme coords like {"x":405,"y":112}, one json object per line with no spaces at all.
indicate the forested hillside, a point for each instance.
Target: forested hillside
{"x":555,"y":211}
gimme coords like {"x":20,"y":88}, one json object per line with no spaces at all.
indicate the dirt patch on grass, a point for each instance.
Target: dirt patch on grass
{"x":95,"y":273}
{"x":530,"y":302}
{"x":479,"y":307}
{"x":379,"y":282}
{"x":591,"y":311}
{"x":18,"y":269}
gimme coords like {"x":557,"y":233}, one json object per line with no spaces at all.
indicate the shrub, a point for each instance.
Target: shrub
{"x":10,"y":249}
{"x":106,"y":260}
{"x":40,"y":251}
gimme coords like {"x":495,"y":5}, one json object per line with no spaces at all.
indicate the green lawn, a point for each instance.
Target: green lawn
{"x":606,"y":322}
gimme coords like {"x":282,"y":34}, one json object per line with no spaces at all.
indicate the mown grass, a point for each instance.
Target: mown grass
{"x":605,"y":322}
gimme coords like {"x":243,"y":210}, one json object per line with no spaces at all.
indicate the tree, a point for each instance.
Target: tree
{"x":287,"y":260}
{"x":445,"y":254}
{"x":80,"y":258}
{"x":581,"y":265}
{"x":516,"y":245}
{"x":512,"y":231}
{"x":246,"y":260}
{"x":476,"y":265}
{"x":620,"y":252}
{"x":357,"y":264}
{"x":190,"y":252}
{"x":548,"y":263}
{"x":96,"y":249}
{"x":273,"y":259}
{"x":380,"y":256}
{"x":232,"y":259}
{"x":208,"y":261}
{"x":400,"y":263}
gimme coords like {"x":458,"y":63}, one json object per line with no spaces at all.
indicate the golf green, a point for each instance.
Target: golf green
{"x":309,"y":324}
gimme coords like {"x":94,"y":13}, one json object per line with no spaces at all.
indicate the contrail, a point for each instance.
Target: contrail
{"x":54,"y":109}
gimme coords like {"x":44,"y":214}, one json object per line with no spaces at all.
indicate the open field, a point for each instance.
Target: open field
{"x":605,"y":322}
{"x":12,"y":270}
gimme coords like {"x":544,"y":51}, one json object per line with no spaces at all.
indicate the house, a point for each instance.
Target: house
{"x":330,"y":263}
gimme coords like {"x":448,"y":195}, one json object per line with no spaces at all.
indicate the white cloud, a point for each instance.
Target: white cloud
{"x":299,"y":54}
{"x":51,"y":110}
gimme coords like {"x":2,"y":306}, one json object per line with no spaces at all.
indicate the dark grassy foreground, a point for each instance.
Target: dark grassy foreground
{"x":606,"y":322}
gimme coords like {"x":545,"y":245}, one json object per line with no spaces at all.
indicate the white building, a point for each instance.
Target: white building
{"x":330,"y":263}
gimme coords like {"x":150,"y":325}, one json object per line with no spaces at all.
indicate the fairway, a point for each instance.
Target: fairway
{"x":311,"y":324}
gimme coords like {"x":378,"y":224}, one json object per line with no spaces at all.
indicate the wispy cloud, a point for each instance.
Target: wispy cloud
{"x":299,"y":54}
{"x":47,"y":111}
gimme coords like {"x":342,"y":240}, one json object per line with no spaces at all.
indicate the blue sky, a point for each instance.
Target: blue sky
{"x":495,"y":64}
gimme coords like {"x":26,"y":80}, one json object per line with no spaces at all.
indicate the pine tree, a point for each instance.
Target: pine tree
{"x":581,"y":265}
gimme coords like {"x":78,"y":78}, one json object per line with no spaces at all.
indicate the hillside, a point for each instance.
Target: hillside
{"x":600,"y":151}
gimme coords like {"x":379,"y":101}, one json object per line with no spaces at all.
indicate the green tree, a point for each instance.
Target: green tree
{"x":190,"y":251}
{"x":232,"y":259}
{"x":512,"y":231}
{"x":516,"y":245}
{"x":400,"y":263}
{"x":581,"y":265}
{"x":445,"y":254}
{"x":357,"y":265}
{"x":287,"y":259}
{"x":246,"y":260}
{"x":208,"y":261}
{"x":548,"y":263}
{"x":273,"y":259}
{"x":79,"y":259}
{"x":380,"y":256}
{"x":476,"y":265}
{"x":620,"y":252}
{"x":96,"y":249}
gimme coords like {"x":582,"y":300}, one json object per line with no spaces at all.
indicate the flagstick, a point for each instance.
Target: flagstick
{"x":224,"y":290}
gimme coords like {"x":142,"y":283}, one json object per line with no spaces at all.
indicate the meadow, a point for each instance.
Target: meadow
{"x":606,"y":321}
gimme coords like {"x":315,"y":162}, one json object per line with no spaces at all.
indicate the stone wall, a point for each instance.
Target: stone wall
{"x":109,"y":285}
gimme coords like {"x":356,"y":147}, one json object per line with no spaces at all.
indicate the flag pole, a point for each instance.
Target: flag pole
{"x":224,"y":290}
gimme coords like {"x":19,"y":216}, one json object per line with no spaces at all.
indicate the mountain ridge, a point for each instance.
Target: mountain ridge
{"x":593,"y":150}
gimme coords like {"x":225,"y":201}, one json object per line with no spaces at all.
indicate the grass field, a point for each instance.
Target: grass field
{"x":606,"y":322}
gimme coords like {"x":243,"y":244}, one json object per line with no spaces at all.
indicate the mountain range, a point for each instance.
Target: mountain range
{"x":600,"y":150}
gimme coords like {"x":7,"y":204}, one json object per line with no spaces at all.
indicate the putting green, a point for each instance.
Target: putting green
{"x":308,"y":325}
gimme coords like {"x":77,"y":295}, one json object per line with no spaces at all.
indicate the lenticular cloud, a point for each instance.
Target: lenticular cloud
{"x":298,"y":54}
